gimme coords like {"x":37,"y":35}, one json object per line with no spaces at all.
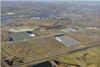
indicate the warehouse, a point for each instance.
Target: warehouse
{"x":67,"y":41}
{"x":20,"y":34}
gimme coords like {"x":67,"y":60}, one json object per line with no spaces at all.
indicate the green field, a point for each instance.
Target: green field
{"x":85,"y":58}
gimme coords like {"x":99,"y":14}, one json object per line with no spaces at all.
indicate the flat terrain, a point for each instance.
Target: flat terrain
{"x":34,"y":49}
{"x":43,"y":48}
{"x":85,"y":58}
{"x":81,"y":20}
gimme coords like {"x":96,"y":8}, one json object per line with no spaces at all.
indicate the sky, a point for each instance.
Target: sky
{"x":50,"y":0}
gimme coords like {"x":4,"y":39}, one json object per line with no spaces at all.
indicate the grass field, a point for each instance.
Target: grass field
{"x":39,"y":48}
{"x":86,"y":58}
{"x":32,"y":50}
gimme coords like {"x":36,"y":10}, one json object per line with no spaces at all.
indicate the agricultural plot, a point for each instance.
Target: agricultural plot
{"x":47,"y":32}
{"x":42,"y":48}
{"x":85,"y":58}
{"x":66,"y":40}
{"x":83,"y":37}
{"x":35,"y":49}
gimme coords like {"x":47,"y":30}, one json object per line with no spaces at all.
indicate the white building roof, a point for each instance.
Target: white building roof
{"x":20,"y":30}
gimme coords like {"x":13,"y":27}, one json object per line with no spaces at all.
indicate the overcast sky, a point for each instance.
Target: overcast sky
{"x":50,"y":0}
